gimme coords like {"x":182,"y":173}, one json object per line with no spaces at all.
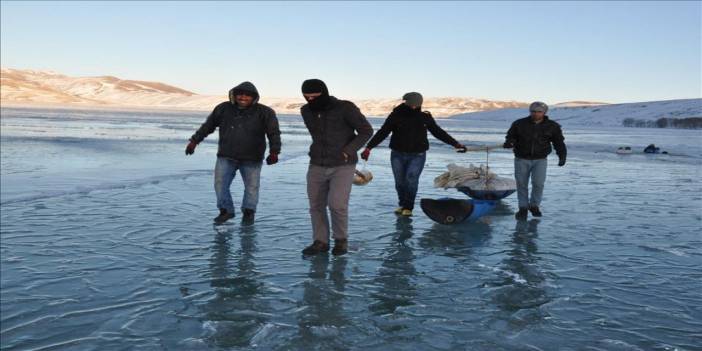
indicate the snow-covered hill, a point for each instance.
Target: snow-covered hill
{"x":599,"y":116}
{"x":32,"y":88}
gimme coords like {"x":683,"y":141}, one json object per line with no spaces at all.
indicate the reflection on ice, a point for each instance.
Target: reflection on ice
{"x":107,"y":242}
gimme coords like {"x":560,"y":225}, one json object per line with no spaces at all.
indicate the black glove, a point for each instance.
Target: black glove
{"x":561,"y":162}
{"x":190,"y":149}
{"x":272,"y":159}
{"x":508,"y":145}
{"x":460,"y":148}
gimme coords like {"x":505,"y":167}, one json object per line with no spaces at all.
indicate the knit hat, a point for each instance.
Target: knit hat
{"x":538,"y":106}
{"x":413,"y":98}
{"x":312,"y":86}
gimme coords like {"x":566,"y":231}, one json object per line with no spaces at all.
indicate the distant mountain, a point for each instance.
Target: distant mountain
{"x":612,"y":115}
{"x":578,"y":104}
{"x":40,"y":87}
{"x":32,"y":88}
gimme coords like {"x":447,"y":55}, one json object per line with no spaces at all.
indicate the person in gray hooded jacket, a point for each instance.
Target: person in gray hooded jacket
{"x":243,"y":124}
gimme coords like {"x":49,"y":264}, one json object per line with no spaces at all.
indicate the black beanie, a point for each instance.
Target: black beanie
{"x":312,"y":86}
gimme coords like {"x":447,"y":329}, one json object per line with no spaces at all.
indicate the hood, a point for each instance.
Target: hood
{"x":247,"y":87}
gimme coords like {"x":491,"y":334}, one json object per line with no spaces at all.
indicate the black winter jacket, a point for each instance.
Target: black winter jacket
{"x":409,"y":130}
{"x":533,"y":141}
{"x":339,"y":128}
{"x":242,"y":132}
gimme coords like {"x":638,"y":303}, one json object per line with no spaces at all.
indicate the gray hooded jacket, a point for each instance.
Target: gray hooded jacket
{"x":242,"y":132}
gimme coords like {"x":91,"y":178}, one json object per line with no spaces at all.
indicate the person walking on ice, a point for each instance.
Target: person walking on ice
{"x":243,"y":124}
{"x":531,"y":138}
{"x":409,"y":144}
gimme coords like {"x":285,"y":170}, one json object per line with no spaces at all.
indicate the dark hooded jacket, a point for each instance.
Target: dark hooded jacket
{"x":338,"y":127}
{"x":532,"y":141}
{"x":409,"y":130}
{"x":242,"y":132}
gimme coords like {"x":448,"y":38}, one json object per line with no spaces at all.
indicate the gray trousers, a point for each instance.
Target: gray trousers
{"x":329,"y":187}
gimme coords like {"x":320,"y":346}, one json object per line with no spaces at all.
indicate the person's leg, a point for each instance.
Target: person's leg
{"x":521,"y":175}
{"x":414,"y":168}
{"x":224,"y":174}
{"x":317,"y":192}
{"x":538,"y":178}
{"x":339,"y":193}
{"x":251,"y":175}
{"x":398,"y":171}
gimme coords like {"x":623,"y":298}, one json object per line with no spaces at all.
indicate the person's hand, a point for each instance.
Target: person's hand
{"x":346,"y":157}
{"x":190,"y":149}
{"x":365,"y":154}
{"x":460,"y":148}
{"x":508,"y":145}
{"x":272,"y":159}
{"x":561,"y":162}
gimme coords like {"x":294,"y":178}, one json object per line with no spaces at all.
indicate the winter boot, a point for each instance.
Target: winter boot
{"x":223,"y":216}
{"x":316,"y":248}
{"x":341,"y":246}
{"x":249,"y":216}
{"x":521,"y":215}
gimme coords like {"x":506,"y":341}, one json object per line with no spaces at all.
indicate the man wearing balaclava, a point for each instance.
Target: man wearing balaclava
{"x":338,"y":130}
{"x":243,"y":125}
{"x":531,"y":138}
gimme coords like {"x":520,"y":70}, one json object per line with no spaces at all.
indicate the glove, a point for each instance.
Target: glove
{"x":460,"y":148}
{"x":272,"y":159}
{"x":365,"y":154}
{"x":508,"y":145}
{"x":190,"y":149}
{"x":561,"y":162}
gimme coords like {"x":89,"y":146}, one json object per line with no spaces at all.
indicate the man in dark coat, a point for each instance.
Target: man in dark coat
{"x":531,"y":138}
{"x":338,"y":130}
{"x":243,"y":124}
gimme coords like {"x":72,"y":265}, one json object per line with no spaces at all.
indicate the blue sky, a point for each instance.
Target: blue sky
{"x":551,"y":51}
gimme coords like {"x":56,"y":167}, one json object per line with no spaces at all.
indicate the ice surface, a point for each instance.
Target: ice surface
{"x":107,"y":243}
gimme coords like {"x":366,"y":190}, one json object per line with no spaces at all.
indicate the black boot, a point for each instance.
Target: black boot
{"x":341,"y":246}
{"x":249,"y":216}
{"x":535,"y":211}
{"x":521,"y":215}
{"x":316,"y":247}
{"x":223,"y":216}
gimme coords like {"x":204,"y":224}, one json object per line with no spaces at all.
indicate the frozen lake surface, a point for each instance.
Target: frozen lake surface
{"x":107,"y":243}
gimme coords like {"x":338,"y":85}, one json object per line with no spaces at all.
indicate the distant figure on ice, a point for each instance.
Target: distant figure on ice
{"x":409,"y":143}
{"x":243,"y":126}
{"x":338,"y":130}
{"x":531,"y":137}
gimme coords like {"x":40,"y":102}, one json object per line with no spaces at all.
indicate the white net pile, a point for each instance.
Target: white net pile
{"x":473,"y":177}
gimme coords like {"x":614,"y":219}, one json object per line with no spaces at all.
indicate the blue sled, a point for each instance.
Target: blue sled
{"x":453,"y":211}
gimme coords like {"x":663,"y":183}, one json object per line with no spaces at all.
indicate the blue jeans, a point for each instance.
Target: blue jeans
{"x":407,"y":167}
{"x":225,"y":171}
{"x":525,"y":169}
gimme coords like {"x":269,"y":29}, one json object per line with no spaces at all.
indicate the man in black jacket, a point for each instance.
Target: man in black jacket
{"x":338,"y":130}
{"x":243,"y":126}
{"x":531,"y":137}
{"x":409,"y":143}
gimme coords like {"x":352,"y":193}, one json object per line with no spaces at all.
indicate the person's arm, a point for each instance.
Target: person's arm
{"x":273,"y":132}
{"x":359,"y":123}
{"x":559,"y":144}
{"x":511,"y":137}
{"x":205,"y":129}
{"x":383,"y":132}
{"x":208,"y":127}
{"x":438,"y":132}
